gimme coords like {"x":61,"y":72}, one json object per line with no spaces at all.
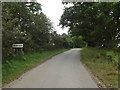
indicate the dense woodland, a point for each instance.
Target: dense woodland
{"x":90,"y":24}
{"x":26,"y":23}
{"x":97,"y":23}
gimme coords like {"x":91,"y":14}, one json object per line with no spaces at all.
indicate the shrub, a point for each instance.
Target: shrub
{"x":113,"y":57}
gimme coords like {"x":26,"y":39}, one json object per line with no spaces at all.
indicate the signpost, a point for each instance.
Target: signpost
{"x":17,"y":47}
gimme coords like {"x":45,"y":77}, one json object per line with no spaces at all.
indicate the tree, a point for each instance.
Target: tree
{"x":97,"y":26}
{"x":25,"y":23}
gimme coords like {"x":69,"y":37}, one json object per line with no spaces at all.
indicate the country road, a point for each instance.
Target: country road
{"x":64,"y":70}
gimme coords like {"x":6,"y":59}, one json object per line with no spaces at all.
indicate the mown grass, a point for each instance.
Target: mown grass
{"x":101,"y":65}
{"x":13,"y":69}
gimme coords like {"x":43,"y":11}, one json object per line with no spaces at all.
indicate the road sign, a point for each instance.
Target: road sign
{"x":17,"y":46}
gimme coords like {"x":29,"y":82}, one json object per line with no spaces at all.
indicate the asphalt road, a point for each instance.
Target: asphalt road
{"x":62,"y":71}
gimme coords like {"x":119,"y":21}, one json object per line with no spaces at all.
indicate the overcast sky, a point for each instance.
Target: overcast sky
{"x":53,"y":10}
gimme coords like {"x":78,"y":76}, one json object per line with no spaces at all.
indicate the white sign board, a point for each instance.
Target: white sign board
{"x":17,"y":45}
{"x":118,"y":44}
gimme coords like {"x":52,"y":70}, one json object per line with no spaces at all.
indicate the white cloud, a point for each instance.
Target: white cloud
{"x":53,"y":10}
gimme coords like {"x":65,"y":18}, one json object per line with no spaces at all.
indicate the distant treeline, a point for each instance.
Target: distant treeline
{"x":97,"y":23}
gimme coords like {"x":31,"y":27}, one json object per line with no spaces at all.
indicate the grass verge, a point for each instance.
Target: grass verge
{"x":99,"y":63}
{"x":15,"y":68}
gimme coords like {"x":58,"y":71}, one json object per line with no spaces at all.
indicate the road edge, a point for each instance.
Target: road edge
{"x":99,"y":83}
{"x":22,"y":75}
{"x":94,"y":77}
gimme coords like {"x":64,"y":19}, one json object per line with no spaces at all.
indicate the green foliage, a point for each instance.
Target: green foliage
{"x":18,"y":56}
{"x":114,"y":57}
{"x":12,"y":69}
{"x":24,"y":22}
{"x":107,"y":56}
{"x":96,"y":59}
{"x":78,"y":42}
{"x":97,"y":23}
{"x":73,"y":41}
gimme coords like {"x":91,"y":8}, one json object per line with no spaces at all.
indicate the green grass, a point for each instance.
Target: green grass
{"x":15,"y":68}
{"x":101,"y":65}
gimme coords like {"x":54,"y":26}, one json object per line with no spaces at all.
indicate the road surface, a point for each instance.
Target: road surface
{"x":64,"y":70}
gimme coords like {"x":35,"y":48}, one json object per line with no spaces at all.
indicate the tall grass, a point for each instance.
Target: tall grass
{"x":103,"y":63}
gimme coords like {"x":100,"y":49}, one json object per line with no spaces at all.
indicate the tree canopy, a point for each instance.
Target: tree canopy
{"x":97,"y":23}
{"x":24,"y":22}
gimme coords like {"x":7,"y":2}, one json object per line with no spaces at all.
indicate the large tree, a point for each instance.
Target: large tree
{"x":25,"y":23}
{"x":98,"y":23}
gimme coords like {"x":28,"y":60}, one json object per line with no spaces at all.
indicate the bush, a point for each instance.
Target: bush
{"x":113,"y":57}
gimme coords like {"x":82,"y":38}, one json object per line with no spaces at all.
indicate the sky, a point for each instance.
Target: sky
{"x":53,"y":10}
